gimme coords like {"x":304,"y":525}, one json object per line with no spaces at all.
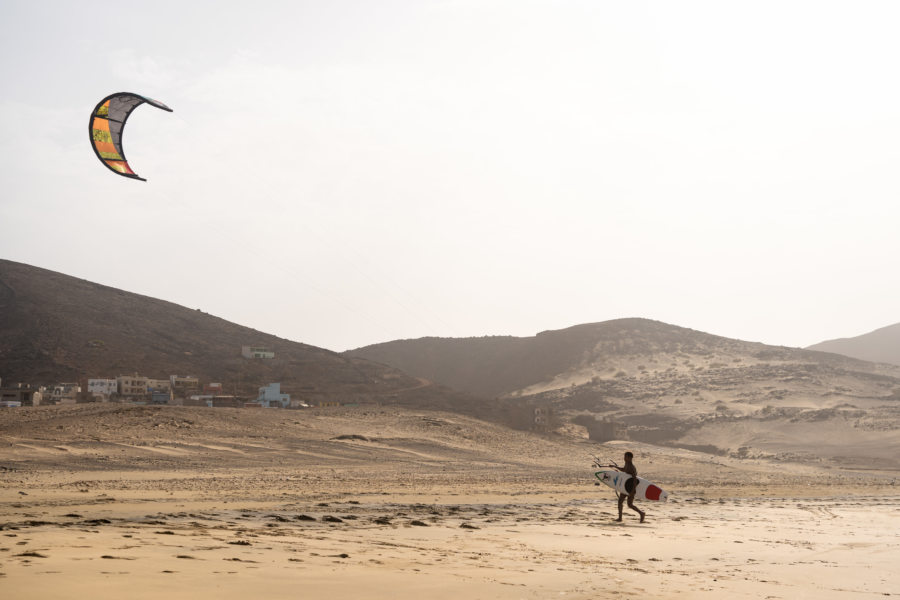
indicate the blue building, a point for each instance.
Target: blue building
{"x":270,"y":396}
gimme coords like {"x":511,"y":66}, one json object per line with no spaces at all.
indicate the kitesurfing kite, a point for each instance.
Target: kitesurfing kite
{"x":106,"y":126}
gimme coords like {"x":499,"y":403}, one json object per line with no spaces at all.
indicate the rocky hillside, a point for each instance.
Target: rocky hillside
{"x":613,"y":350}
{"x":881,"y":345}
{"x":55,"y":328}
{"x":645,"y":380}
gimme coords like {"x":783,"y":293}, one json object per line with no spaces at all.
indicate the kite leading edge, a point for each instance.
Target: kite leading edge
{"x":106,"y":125}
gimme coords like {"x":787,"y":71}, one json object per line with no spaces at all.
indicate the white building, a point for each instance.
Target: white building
{"x":102,"y":389}
{"x":256,"y":352}
{"x":271,"y":395}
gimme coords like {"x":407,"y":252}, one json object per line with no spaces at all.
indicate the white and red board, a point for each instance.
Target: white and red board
{"x":646,"y":490}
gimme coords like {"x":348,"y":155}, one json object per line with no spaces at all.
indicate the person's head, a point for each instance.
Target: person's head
{"x":628,"y":457}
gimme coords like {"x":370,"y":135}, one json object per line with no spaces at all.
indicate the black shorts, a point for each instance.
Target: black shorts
{"x":630,"y":485}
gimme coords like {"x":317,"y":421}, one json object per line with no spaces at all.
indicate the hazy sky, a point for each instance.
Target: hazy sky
{"x":345,"y":173}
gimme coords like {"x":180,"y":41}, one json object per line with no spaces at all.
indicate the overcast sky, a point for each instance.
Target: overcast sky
{"x":346,"y":173}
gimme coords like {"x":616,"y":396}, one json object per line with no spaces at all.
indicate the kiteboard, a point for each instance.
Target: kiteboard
{"x":646,"y":490}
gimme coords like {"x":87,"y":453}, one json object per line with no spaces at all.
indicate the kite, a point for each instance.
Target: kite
{"x":107,"y":123}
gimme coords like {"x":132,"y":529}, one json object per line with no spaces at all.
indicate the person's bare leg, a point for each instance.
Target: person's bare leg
{"x":633,"y":507}
{"x":621,"y":502}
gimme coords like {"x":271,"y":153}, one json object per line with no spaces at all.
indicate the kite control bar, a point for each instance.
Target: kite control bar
{"x":599,"y":463}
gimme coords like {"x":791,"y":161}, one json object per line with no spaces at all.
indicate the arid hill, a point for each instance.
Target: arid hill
{"x":881,"y":345}
{"x":517,"y":366}
{"x":645,"y":380}
{"x":625,"y":379}
{"x":56,"y":328}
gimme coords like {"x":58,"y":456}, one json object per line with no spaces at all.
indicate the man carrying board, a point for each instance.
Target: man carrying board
{"x":630,"y":486}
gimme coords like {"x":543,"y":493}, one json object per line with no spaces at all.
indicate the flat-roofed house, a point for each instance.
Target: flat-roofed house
{"x":271,"y":396}
{"x":132,"y":386}
{"x":64,"y":393}
{"x":21,"y":395}
{"x":184,"y":387}
{"x":102,"y":389}
{"x":256,"y":352}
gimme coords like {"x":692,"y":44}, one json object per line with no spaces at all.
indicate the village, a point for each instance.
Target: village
{"x":176,"y":390}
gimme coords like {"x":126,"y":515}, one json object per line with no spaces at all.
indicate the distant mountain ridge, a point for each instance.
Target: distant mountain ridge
{"x":626,"y":379}
{"x":647,"y":381}
{"x":56,"y":328}
{"x":881,"y":345}
{"x":503,"y":365}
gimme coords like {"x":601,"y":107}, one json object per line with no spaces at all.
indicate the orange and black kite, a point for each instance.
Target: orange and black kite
{"x":106,"y":126}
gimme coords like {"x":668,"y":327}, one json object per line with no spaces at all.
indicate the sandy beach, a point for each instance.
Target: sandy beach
{"x":405,"y":504}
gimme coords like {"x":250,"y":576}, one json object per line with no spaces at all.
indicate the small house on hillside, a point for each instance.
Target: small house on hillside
{"x":256,"y":352}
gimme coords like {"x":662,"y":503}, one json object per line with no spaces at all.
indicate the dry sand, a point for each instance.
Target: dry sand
{"x":121,"y":502}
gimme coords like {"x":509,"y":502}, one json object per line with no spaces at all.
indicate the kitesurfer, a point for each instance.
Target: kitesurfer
{"x":630,"y":486}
